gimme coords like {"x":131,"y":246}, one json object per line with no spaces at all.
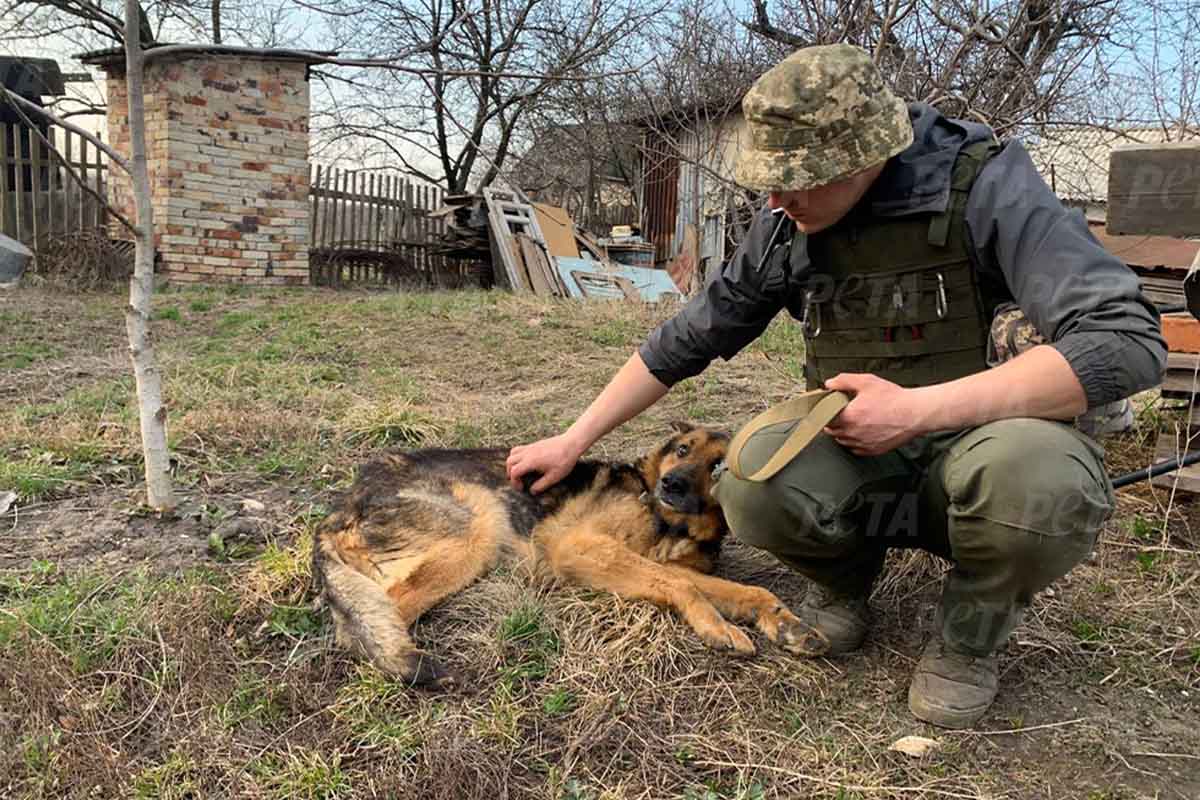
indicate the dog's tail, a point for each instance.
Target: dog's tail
{"x":373,"y":611}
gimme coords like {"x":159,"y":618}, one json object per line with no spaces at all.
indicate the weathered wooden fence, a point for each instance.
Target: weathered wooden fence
{"x":37,"y":196}
{"x":373,"y":227}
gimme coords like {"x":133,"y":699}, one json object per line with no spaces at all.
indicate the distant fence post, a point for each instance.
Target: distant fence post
{"x":38,"y":196}
{"x":373,"y":227}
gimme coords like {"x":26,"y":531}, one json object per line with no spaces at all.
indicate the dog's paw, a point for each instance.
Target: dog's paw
{"x":729,"y":637}
{"x":797,"y":637}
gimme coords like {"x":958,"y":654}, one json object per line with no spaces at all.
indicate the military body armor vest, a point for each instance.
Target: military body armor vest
{"x":899,"y":298}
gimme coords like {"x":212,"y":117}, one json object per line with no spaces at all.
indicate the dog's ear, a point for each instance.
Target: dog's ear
{"x":680,"y":426}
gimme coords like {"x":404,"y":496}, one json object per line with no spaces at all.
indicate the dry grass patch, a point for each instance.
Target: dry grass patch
{"x":224,"y":682}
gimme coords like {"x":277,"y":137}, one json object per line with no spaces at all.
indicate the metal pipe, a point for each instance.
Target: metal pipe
{"x":1154,"y":470}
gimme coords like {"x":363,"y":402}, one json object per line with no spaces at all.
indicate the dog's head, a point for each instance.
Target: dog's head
{"x":680,"y":477}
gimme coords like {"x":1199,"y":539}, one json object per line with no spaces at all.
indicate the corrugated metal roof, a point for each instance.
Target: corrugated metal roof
{"x":1074,"y":160}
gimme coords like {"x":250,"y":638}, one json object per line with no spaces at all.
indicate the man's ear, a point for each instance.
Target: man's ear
{"x":682,"y":427}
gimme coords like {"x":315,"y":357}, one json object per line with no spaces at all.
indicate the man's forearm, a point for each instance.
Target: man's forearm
{"x":1038,"y":383}
{"x":631,"y":391}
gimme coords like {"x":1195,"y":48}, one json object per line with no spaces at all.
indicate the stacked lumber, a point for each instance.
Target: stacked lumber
{"x":466,"y":235}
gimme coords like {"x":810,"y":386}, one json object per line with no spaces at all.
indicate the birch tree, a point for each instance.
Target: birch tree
{"x":152,"y":411}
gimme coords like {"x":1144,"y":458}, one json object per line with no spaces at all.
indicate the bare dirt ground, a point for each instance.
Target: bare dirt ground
{"x":181,"y":657}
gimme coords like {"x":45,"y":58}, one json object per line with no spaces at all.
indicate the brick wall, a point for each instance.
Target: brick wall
{"x":228,"y":161}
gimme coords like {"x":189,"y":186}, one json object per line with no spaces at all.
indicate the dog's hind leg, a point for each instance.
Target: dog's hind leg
{"x":452,"y":564}
{"x":364,"y":617}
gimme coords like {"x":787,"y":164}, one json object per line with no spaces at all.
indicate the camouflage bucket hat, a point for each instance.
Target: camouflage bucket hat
{"x":820,"y":115}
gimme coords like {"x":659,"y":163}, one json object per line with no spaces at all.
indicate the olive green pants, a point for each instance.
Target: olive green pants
{"x":1014,"y":504}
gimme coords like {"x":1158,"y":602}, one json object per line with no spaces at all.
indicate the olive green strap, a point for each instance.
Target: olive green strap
{"x":811,"y":411}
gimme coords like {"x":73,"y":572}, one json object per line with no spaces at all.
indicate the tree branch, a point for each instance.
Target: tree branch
{"x":8,"y":96}
{"x":108,"y":151}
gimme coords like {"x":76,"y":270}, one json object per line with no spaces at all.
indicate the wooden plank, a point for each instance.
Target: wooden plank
{"x":101,"y":209}
{"x":424,"y":232}
{"x":372,"y":210}
{"x":4,"y":187}
{"x":351,"y":233}
{"x":37,"y":197}
{"x":409,"y":223}
{"x":368,"y":208}
{"x":344,"y":203}
{"x":67,"y":183}
{"x":397,"y":211}
{"x":330,"y":206}
{"x":84,"y":197}
{"x":438,"y":223}
{"x":1170,"y":447}
{"x":1178,"y":381}
{"x":363,"y":206}
{"x":19,"y":169}
{"x":385,"y":212}
{"x":314,"y":213}
{"x":535,"y":266}
{"x":1154,"y":189}
{"x":502,"y":236}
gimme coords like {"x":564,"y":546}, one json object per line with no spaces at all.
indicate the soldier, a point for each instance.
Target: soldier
{"x":895,"y":234}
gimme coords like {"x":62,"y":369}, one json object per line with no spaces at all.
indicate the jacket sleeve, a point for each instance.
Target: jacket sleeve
{"x":1083,"y":299}
{"x":735,"y":306}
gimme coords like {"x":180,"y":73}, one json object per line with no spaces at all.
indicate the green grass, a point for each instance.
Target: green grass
{"x":374,"y":706}
{"x":227,"y":680}
{"x":25,"y":354}
{"x":252,"y":700}
{"x":174,"y":779}
{"x":37,"y":477}
{"x":529,"y":644}
{"x":86,"y":618}
{"x":1143,"y":528}
{"x":171,"y":313}
{"x":1148,"y":561}
{"x":1087,"y":631}
{"x":294,"y":621}
{"x":560,"y":701}
{"x":301,"y":775}
{"x":615,"y":333}
{"x":783,"y":345}
{"x":387,"y":424}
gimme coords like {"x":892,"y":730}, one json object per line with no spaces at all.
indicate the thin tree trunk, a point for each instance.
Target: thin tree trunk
{"x":216,"y":21}
{"x":151,"y":411}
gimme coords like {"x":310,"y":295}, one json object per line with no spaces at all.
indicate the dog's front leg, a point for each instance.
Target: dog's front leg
{"x":601,"y":562}
{"x":755,"y":604}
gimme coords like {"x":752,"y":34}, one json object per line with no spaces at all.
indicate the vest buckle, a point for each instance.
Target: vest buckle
{"x":943,"y":306}
{"x":811,"y":321}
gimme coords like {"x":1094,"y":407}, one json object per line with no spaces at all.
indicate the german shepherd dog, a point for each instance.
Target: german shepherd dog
{"x":419,"y":526}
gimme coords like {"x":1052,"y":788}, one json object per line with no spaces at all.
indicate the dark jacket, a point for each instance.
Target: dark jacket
{"x":1024,"y":245}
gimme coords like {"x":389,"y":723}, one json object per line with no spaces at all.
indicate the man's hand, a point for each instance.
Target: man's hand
{"x":880,"y":417}
{"x":553,"y":458}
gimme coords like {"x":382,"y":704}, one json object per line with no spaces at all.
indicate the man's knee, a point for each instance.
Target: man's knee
{"x":1031,"y":475}
{"x":755,"y":512}
{"x":1027,"y":500}
{"x":779,"y":517}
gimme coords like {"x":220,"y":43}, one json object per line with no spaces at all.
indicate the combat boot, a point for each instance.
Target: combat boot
{"x":951,"y":689}
{"x":842,"y":619}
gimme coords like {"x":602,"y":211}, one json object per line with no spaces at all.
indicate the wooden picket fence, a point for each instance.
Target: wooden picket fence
{"x":374,"y":227}
{"x":38,"y":198}
{"x":365,"y":227}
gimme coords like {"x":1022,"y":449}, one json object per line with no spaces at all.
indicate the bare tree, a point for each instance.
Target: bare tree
{"x":1007,"y":63}
{"x":457,"y":124}
{"x":152,"y":412}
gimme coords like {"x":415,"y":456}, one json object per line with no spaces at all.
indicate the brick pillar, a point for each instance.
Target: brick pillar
{"x":228,"y":163}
